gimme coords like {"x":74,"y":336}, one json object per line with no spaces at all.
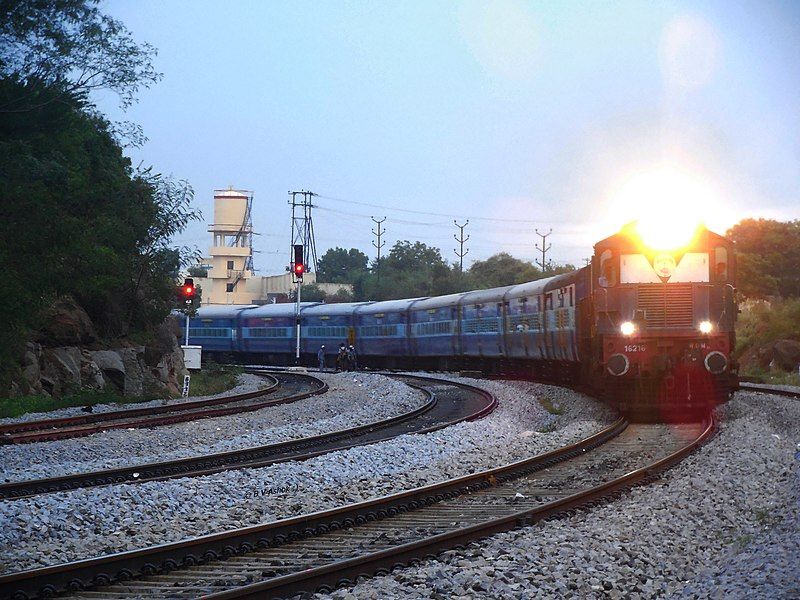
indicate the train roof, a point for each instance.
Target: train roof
{"x":335,"y":309}
{"x":483,"y":296}
{"x":532,"y":288}
{"x":222,"y":311}
{"x":387,"y":306}
{"x":283,"y":309}
{"x":437,"y":301}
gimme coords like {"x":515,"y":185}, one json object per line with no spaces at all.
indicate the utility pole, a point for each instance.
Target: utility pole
{"x":545,"y":247}
{"x":303,"y":250}
{"x":378,"y":234}
{"x":461,"y":253}
{"x":303,"y":228}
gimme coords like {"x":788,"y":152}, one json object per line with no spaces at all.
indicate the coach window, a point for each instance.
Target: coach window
{"x":608,"y":269}
{"x":229,"y":287}
{"x":721,"y":263}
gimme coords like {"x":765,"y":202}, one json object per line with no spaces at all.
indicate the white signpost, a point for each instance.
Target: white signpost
{"x":186,"y":380}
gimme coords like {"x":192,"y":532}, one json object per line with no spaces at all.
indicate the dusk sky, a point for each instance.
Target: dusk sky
{"x":515,"y":115}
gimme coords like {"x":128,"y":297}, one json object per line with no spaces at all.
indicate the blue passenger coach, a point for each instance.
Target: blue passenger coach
{"x":482,"y":322}
{"x":215,"y":328}
{"x":328,"y":324}
{"x":434,"y":326}
{"x":383,"y":330}
{"x":269,"y":331}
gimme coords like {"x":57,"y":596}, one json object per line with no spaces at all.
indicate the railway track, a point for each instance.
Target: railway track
{"x":322,"y":550}
{"x":447,"y":403}
{"x":83,"y":425}
{"x":769,"y":390}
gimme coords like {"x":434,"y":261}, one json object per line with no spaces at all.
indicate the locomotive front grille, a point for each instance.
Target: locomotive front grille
{"x":666,"y":305}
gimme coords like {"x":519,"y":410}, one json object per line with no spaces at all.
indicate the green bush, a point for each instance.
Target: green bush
{"x":761,"y":323}
{"x":213,"y":379}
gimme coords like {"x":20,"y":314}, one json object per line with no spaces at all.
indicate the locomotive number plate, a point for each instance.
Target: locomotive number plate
{"x":635,"y":348}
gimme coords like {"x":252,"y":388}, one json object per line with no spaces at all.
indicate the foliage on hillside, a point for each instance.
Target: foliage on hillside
{"x":76,"y":220}
{"x":761,"y":323}
{"x":768,"y":257}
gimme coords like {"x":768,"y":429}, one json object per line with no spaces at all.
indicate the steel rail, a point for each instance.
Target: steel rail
{"x":167,"y":557}
{"x":166,"y":415}
{"x":23,"y":426}
{"x":160,"y":470}
{"x":769,"y":390}
{"x":258,"y":456}
{"x":346,"y":572}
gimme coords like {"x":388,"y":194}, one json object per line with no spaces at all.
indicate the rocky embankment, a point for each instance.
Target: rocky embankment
{"x":68,"y":356}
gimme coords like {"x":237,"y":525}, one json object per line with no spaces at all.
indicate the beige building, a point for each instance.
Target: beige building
{"x":231,"y":278}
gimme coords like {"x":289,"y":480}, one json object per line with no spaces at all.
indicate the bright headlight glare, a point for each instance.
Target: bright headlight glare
{"x":627,"y":328}
{"x":705,"y":327}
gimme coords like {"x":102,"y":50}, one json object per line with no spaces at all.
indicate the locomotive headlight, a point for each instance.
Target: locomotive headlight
{"x":627,"y":328}
{"x":705,"y":326}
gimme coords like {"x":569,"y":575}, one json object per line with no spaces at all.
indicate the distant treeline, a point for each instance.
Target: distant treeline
{"x":414,"y":269}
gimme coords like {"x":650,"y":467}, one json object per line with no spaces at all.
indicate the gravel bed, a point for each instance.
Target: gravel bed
{"x":244,"y":383}
{"x":722,"y":524}
{"x":66,"y":526}
{"x":351,"y":400}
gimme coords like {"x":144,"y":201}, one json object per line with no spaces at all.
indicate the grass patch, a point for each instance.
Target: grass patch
{"x":15,"y":407}
{"x":213,"y":379}
{"x":772,"y":377}
{"x":548,"y":405}
{"x":549,"y":428}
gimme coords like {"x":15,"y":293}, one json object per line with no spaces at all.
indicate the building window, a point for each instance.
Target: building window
{"x":230,"y":267}
{"x":229,"y":287}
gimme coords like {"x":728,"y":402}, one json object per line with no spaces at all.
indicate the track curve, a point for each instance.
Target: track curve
{"x":448,"y":403}
{"x":322,"y":550}
{"x":83,"y":425}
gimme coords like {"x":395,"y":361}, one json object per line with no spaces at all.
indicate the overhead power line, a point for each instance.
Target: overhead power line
{"x":432,"y":214}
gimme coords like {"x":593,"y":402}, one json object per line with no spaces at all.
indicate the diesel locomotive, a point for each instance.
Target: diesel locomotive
{"x":648,"y":327}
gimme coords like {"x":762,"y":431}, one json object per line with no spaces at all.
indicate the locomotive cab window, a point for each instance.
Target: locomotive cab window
{"x":721,"y":263}
{"x":608,"y":269}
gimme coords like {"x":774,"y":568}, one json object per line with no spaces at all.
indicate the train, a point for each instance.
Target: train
{"x":648,"y":328}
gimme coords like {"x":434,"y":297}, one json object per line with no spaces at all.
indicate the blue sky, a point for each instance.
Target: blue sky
{"x":534,"y":114}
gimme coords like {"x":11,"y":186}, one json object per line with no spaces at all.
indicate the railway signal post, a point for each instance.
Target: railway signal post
{"x":298,"y":268}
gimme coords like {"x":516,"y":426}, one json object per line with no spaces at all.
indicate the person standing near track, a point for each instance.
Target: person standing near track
{"x":321,"y":357}
{"x":352,"y":357}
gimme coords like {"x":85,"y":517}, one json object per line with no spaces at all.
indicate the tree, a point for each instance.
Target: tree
{"x":338,"y":265}
{"x":768,"y":257}
{"x":501,"y":269}
{"x":340,"y":296}
{"x":71,"y":47}
{"x":311,"y":292}
{"x":408,"y":270}
{"x":197,"y":271}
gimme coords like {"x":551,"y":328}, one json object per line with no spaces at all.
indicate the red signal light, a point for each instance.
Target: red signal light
{"x":188,"y":291}
{"x":299,"y":268}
